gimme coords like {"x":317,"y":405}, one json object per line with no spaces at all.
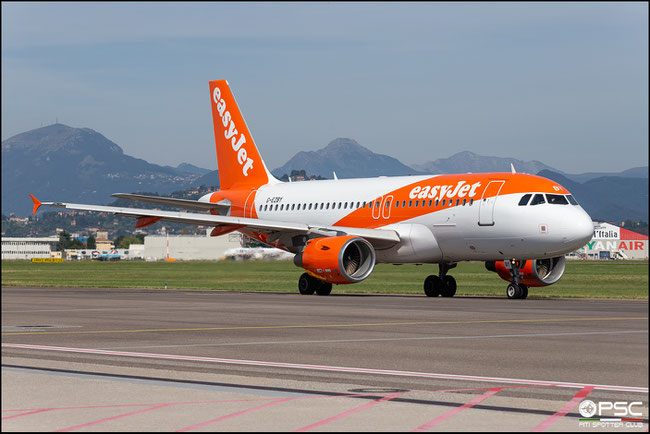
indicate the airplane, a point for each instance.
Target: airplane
{"x":520,"y":225}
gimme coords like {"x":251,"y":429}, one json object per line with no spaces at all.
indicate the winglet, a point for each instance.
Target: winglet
{"x":37,"y":203}
{"x":512,"y":168}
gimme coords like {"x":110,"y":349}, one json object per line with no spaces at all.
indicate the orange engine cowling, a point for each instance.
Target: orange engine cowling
{"x":535,"y":272}
{"x":343,"y":259}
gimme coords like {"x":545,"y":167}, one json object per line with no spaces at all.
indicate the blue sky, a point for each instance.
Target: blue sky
{"x":562,"y":83}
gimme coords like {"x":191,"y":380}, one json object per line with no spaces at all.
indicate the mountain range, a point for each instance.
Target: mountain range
{"x":81,"y":165}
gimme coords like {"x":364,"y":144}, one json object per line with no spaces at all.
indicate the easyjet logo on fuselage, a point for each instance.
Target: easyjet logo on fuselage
{"x":461,"y":189}
{"x":231,"y":132}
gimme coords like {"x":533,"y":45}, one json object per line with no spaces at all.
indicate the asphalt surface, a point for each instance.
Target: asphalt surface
{"x":127,"y":359}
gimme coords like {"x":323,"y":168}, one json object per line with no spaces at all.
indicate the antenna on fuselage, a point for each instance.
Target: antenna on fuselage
{"x":335,"y":177}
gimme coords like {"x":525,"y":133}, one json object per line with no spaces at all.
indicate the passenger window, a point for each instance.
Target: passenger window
{"x":524,"y":199}
{"x":430,"y":201}
{"x":457,"y":200}
{"x":410,"y":203}
{"x":423,"y":202}
{"x":572,"y":200}
{"x":443,"y":202}
{"x":537,"y":199}
{"x":310,"y":206}
{"x":464,"y":202}
{"x":403,"y":204}
{"x":377,"y":204}
{"x":437,"y":202}
{"x":322,"y":205}
{"x":388,"y":204}
{"x":293,"y":206}
{"x":276,"y":207}
{"x":471,"y":202}
{"x":397,"y":204}
{"x":281,"y":207}
{"x":556,"y":199}
{"x":416,"y":203}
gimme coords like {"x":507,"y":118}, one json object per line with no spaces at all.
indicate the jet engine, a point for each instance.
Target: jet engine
{"x":342,"y":259}
{"x":535,"y":272}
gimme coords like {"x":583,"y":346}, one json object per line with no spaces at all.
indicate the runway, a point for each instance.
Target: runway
{"x":127,"y":359}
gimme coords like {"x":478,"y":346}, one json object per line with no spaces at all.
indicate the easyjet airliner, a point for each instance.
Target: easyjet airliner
{"x":520,"y":225}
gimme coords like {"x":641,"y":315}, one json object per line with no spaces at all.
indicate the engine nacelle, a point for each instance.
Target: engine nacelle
{"x":343,"y":259}
{"x":535,"y":272}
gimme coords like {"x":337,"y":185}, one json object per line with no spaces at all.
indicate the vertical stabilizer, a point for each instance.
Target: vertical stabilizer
{"x":240,"y":163}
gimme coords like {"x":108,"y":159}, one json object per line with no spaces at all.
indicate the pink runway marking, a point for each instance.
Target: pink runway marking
{"x":73,"y":428}
{"x":331,"y":368}
{"x":457,"y":410}
{"x":239,"y":413}
{"x":28,"y":413}
{"x":347,"y":413}
{"x":574,"y":401}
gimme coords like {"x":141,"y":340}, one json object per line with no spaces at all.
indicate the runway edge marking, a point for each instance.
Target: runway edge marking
{"x":330,"y":368}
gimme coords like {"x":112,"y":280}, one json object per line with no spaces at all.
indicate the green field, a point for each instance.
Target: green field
{"x":597,"y":279}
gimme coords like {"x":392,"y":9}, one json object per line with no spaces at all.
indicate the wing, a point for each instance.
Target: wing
{"x":379,"y":238}
{"x":220,"y":208}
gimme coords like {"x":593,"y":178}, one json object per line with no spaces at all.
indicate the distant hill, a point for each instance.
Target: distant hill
{"x":466,"y":161}
{"x":635,"y":172}
{"x":608,"y":198}
{"x":62,"y":163}
{"x":188,"y":169}
{"x":348,"y":159}
{"x":463,"y":162}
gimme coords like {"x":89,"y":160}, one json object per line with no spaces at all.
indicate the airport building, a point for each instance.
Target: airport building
{"x":28,"y":248}
{"x":190,"y":247}
{"x":613,"y":242}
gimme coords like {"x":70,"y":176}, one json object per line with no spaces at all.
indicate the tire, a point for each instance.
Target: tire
{"x":433,"y":286}
{"x":524,"y":291}
{"x":306,"y":284}
{"x":514,"y":291}
{"x":324,"y":289}
{"x":449,"y":287}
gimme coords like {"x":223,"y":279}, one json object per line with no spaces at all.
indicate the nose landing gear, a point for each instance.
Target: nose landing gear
{"x":442,"y":284}
{"x":515,"y":289}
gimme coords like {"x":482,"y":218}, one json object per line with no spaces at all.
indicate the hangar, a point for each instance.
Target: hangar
{"x":613,"y":242}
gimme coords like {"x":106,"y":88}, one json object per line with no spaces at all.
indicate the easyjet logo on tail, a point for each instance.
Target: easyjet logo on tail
{"x":236,"y":138}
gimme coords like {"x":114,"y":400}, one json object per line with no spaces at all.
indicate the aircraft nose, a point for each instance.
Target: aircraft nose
{"x":582,"y":228}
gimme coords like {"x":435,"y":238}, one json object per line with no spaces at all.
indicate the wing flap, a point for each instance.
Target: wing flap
{"x":179,"y":203}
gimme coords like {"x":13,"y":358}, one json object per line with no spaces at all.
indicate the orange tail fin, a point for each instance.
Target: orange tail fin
{"x":240,"y":163}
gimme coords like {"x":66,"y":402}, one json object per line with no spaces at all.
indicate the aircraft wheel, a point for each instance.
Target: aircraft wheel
{"x":307,"y":285}
{"x":514,"y":291}
{"x":324,"y":289}
{"x":433,"y":286}
{"x":524,"y":291}
{"x":449,"y":288}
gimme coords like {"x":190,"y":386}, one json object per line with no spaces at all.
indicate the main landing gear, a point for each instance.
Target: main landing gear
{"x":442,"y":284}
{"x":307,"y":285}
{"x":515,"y":289}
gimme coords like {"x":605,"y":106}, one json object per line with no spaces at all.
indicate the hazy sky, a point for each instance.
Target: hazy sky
{"x":562,"y":83}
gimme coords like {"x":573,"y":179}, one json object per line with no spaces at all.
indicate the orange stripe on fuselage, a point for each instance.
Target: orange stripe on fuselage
{"x":443,"y":187}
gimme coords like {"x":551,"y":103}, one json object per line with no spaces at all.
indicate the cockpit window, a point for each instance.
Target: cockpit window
{"x":524,"y":200}
{"x":537,"y":199}
{"x":572,"y":200}
{"x":557,"y":199}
